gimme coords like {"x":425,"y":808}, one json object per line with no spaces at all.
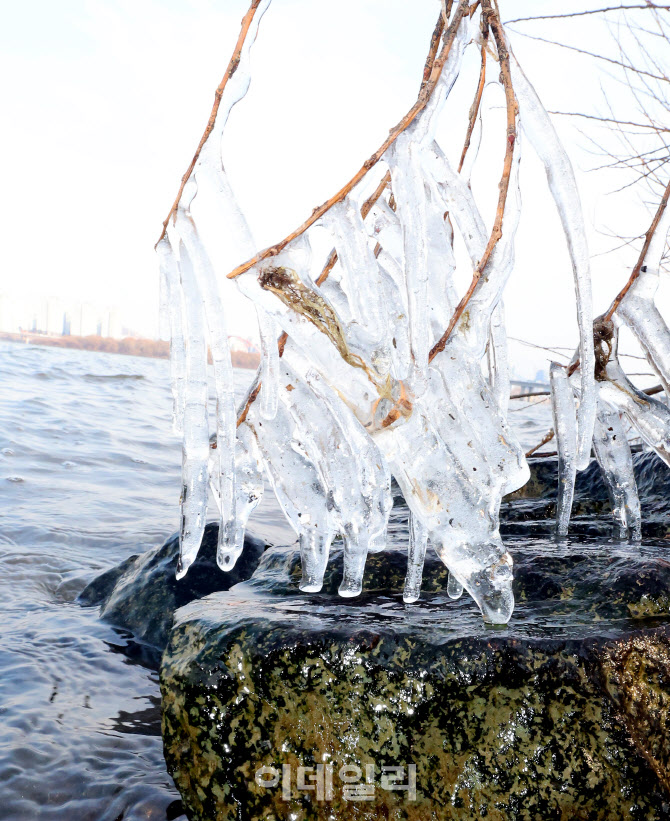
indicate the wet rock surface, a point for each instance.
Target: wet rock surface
{"x":142,"y":593}
{"x":563,"y":714}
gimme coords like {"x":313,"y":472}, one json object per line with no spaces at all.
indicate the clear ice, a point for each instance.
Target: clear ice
{"x":362,"y":393}
{"x":565,"y":427}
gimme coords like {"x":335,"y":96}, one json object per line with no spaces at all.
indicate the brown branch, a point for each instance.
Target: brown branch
{"x":365,"y":208}
{"x":493,"y":21}
{"x":474,"y":110}
{"x":232,"y":68}
{"x":643,"y":253}
{"x":646,"y":6}
{"x":405,"y":122}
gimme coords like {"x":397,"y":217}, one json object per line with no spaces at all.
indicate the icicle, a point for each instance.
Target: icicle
{"x":195,"y":448}
{"x":639,"y":310}
{"x":458,"y":200}
{"x":500,"y":383}
{"x":565,"y":426}
{"x":410,"y":194}
{"x":648,"y":416}
{"x":537,"y":126}
{"x":269,"y":364}
{"x":175,"y":309}
{"x":454,"y":587}
{"x":616,"y":464}
{"x":448,"y":485}
{"x":362,"y":280}
{"x":298,"y":486}
{"x":226,"y":411}
{"x":418,"y":542}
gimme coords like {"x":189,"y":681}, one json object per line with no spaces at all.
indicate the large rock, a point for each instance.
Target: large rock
{"x":561,"y":715}
{"x":142,"y":593}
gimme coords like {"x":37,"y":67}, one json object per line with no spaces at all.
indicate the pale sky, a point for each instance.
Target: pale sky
{"x":104,"y":102}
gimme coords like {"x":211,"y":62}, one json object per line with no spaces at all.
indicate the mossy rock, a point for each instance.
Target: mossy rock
{"x":561,"y":715}
{"x":142,"y":593}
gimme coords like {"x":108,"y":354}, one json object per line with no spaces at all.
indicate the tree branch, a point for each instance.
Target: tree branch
{"x":493,"y":21}
{"x":232,"y":68}
{"x":643,"y":253}
{"x":424,"y":96}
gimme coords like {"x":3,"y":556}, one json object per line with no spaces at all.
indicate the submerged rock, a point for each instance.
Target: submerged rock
{"x":563,"y":714}
{"x":142,"y":593}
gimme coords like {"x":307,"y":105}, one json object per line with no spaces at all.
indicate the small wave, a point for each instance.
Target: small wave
{"x":104,"y":377}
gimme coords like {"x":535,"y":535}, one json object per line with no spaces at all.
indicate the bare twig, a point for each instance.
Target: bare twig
{"x":405,"y":122}
{"x":493,"y":21}
{"x":474,"y":110}
{"x":232,"y":68}
{"x":655,"y":128}
{"x":618,"y":63}
{"x":604,"y":10}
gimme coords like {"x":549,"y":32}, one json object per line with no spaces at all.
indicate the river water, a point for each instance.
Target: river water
{"x":90,"y":474}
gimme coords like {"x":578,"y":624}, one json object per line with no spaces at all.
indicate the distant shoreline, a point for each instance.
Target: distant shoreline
{"x":130,"y":346}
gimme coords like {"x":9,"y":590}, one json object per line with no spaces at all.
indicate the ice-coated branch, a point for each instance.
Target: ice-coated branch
{"x":648,"y":239}
{"x":616,"y":464}
{"x":474,"y":110}
{"x":424,"y":97}
{"x":493,"y":21}
{"x":250,"y":22}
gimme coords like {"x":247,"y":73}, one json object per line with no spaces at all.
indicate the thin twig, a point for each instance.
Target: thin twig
{"x":492,"y":20}
{"x":477,"y":101}
{"x":546,"y":438}
{"x":218,"y":94}
{"x":655,"y":128}
{"x":595,"y":56}
{"x":405,"y":122}
{"x":644,"y":6}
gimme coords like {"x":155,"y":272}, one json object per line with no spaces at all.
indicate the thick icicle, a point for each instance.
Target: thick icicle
{"x":409,"y":191}
{"x":297,"y":484}
{"x":362,"y":280}
{"x":195,"y":447}
{"x":638,"y":308}
{"x":226,"y":411}
{"x":269,"y":364}
{"x":616,"y":464}
{"x":565,"y":426}
{"x":175,"y":308}
{"x":537,"y":126}
{"x":249,"y":487}
{"x":418,"y":542}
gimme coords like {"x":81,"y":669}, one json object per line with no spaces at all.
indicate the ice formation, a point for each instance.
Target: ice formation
{"x":366,"y":384}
